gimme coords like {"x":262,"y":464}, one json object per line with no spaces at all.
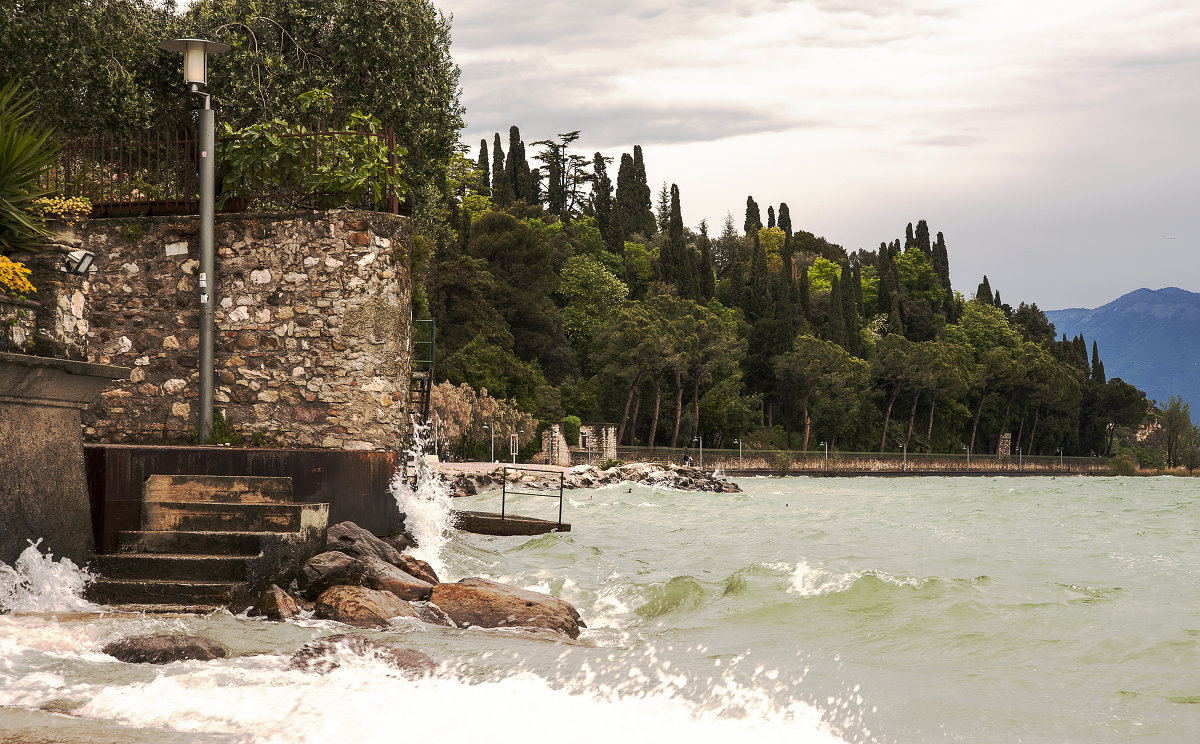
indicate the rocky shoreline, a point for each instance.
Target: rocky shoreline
{"x":363,"y":581}
{"x":675,"y":477}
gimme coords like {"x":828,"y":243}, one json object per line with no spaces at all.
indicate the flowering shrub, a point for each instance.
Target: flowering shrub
{"x":69,"y":209}
{"x":14,"y":278}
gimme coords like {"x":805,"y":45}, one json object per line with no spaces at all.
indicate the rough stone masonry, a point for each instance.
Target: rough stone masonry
{"x":313,"y":328}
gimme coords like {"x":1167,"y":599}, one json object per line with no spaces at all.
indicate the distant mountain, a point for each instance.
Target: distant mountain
{"x":1149,"y":338}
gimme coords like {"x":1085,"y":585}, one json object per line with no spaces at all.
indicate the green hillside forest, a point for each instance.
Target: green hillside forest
{"x":564,"y":283}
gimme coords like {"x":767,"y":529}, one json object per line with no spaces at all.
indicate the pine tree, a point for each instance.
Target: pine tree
{"x":485,"y":171}
{"x":602,"y":204}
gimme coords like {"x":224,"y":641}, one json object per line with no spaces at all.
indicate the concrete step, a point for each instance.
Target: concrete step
{"x":227,"y":488}
{"x":163,"y":592}
{"x":179,"y":541}
{"x":181,"y":566}
{"x":231,"y":517}
{"x":164,"y":609}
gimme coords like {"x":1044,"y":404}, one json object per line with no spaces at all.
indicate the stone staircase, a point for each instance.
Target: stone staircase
{"x":208,"y":542}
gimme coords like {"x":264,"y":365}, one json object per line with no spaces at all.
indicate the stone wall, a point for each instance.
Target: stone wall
{"x":312,"y":338}
{"x":52,"y":321}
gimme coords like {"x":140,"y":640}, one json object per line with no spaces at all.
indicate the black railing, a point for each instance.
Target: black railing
{"x":293,"y":168}
{"x":550,"y":474}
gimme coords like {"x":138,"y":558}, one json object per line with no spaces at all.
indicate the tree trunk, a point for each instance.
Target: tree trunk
{"x":807,"y":419}
{"x":1021,"y":432}
{"x":678,"y":408}
{"x":637,"y":406}
{"x":912,"y":417}
{"x":628,"y":400}
{"x":975,"y":424}
{"x":657,"y":403}
{"x":1004,"y":425}
{"x":929,"y":431}
{"x":887,"y":415}
{"x":696,"y":405}
{"x":1037,"y":413}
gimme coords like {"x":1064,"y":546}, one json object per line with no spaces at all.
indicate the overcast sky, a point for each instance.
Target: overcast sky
{"x":1055,"y":143}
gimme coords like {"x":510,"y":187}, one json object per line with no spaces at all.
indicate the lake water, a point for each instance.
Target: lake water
{"x":803,"y":610}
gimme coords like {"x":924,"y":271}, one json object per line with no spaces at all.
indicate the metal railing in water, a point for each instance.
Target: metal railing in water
{"x":505,"y":490}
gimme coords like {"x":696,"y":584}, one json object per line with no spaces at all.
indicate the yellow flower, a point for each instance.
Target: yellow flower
{"x":14,"y":278}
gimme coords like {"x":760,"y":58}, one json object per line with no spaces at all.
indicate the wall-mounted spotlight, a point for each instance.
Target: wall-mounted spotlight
{"x":78,"y":262}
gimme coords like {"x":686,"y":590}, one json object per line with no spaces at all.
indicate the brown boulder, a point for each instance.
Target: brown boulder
{"x":385,"y":576}
{"x":488,"y":604}
{"x":163,"y":649}
{"x":354,"y":541}
{"x":321,"y":655}
{"x":275,"y":604}
{"x":419,"y":568}
{"x":331,"y":568}
{"x":361,"y":607}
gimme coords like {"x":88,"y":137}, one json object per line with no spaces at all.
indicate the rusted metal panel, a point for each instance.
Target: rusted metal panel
{"x":354,"y":484}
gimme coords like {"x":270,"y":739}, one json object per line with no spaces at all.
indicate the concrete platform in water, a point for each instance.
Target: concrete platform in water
{"x":484,"y":523}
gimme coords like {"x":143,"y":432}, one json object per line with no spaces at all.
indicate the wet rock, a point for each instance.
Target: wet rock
{"x":331,"y":568}
{"x":488,"y":604}
{"x":163,"y":649}
{"x":385,"y":576}
{"x":401,"y":542}
{"x":419,"y":568}
{"x":361,"y":607}
{"x":356,"y":542}
{"x":324,"y":654}
{"x":275,"y":604}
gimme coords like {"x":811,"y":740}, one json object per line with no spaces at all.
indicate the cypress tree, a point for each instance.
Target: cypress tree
{"x":984,"y":293}
{"x":909,"y":240}
{"x":555,"y":198}
{"x":1097,"y":365}
{"x":664,"y":209}
{"x":513,"y":163}
{"x":921,"y":238}
{"x":770,"y":216}
{"x":535,"y":186}
{"x":835,"y":327}
{"x":850,"y":319}
{"x":789,"y":271}
{"x":895,"y":323}
{"x":887,"y":285}
{"x":628,"y":201}
{"x":753,"y":218}
{"x":708,"y":276}
{"x":645,"y":217}
{"x":485,"y":170}
{"x":802,"y":292}
{"x":501,"y":188}
{"x":602,"y":204}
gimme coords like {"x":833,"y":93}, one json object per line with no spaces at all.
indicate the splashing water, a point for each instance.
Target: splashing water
{"x":425,"y":505}
{"x":38,"y":583}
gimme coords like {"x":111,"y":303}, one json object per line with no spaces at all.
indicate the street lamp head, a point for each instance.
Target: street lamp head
{"x":195,"y":57}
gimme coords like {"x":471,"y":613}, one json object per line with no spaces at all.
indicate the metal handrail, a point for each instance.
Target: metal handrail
{"x":504,"y":487}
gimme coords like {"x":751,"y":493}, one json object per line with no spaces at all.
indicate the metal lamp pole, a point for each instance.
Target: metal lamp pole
{"x":701,"y":441}
{"x":739,"y":444}
{"x":195,"y":74}
{"x":826,"y":446}
{"x":968,"y":456}
{"x":904,"y":458}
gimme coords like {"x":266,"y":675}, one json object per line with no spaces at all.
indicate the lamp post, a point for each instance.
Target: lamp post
{"x":515,"y":444}
{"x":701,"y":441}
{"x":492,"y":432}
{"x":826,"y":446}
{"x":195,"y":75}
{"x":739,"y":444}
{"x":964,"y":447}
{"x":1060,"y":458}
{"x":1020,"y":462}
{"x":904,"y":458}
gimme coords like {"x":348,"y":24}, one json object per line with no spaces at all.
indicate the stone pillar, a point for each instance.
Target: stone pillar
{"x":554,"y":445}
{"x":43,"y":481}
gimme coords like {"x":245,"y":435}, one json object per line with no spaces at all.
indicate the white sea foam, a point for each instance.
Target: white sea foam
{"x":810,"y":581}
{"x":428,"y":516}
{"x":257,"y":699}
{"x":38,"y":583}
